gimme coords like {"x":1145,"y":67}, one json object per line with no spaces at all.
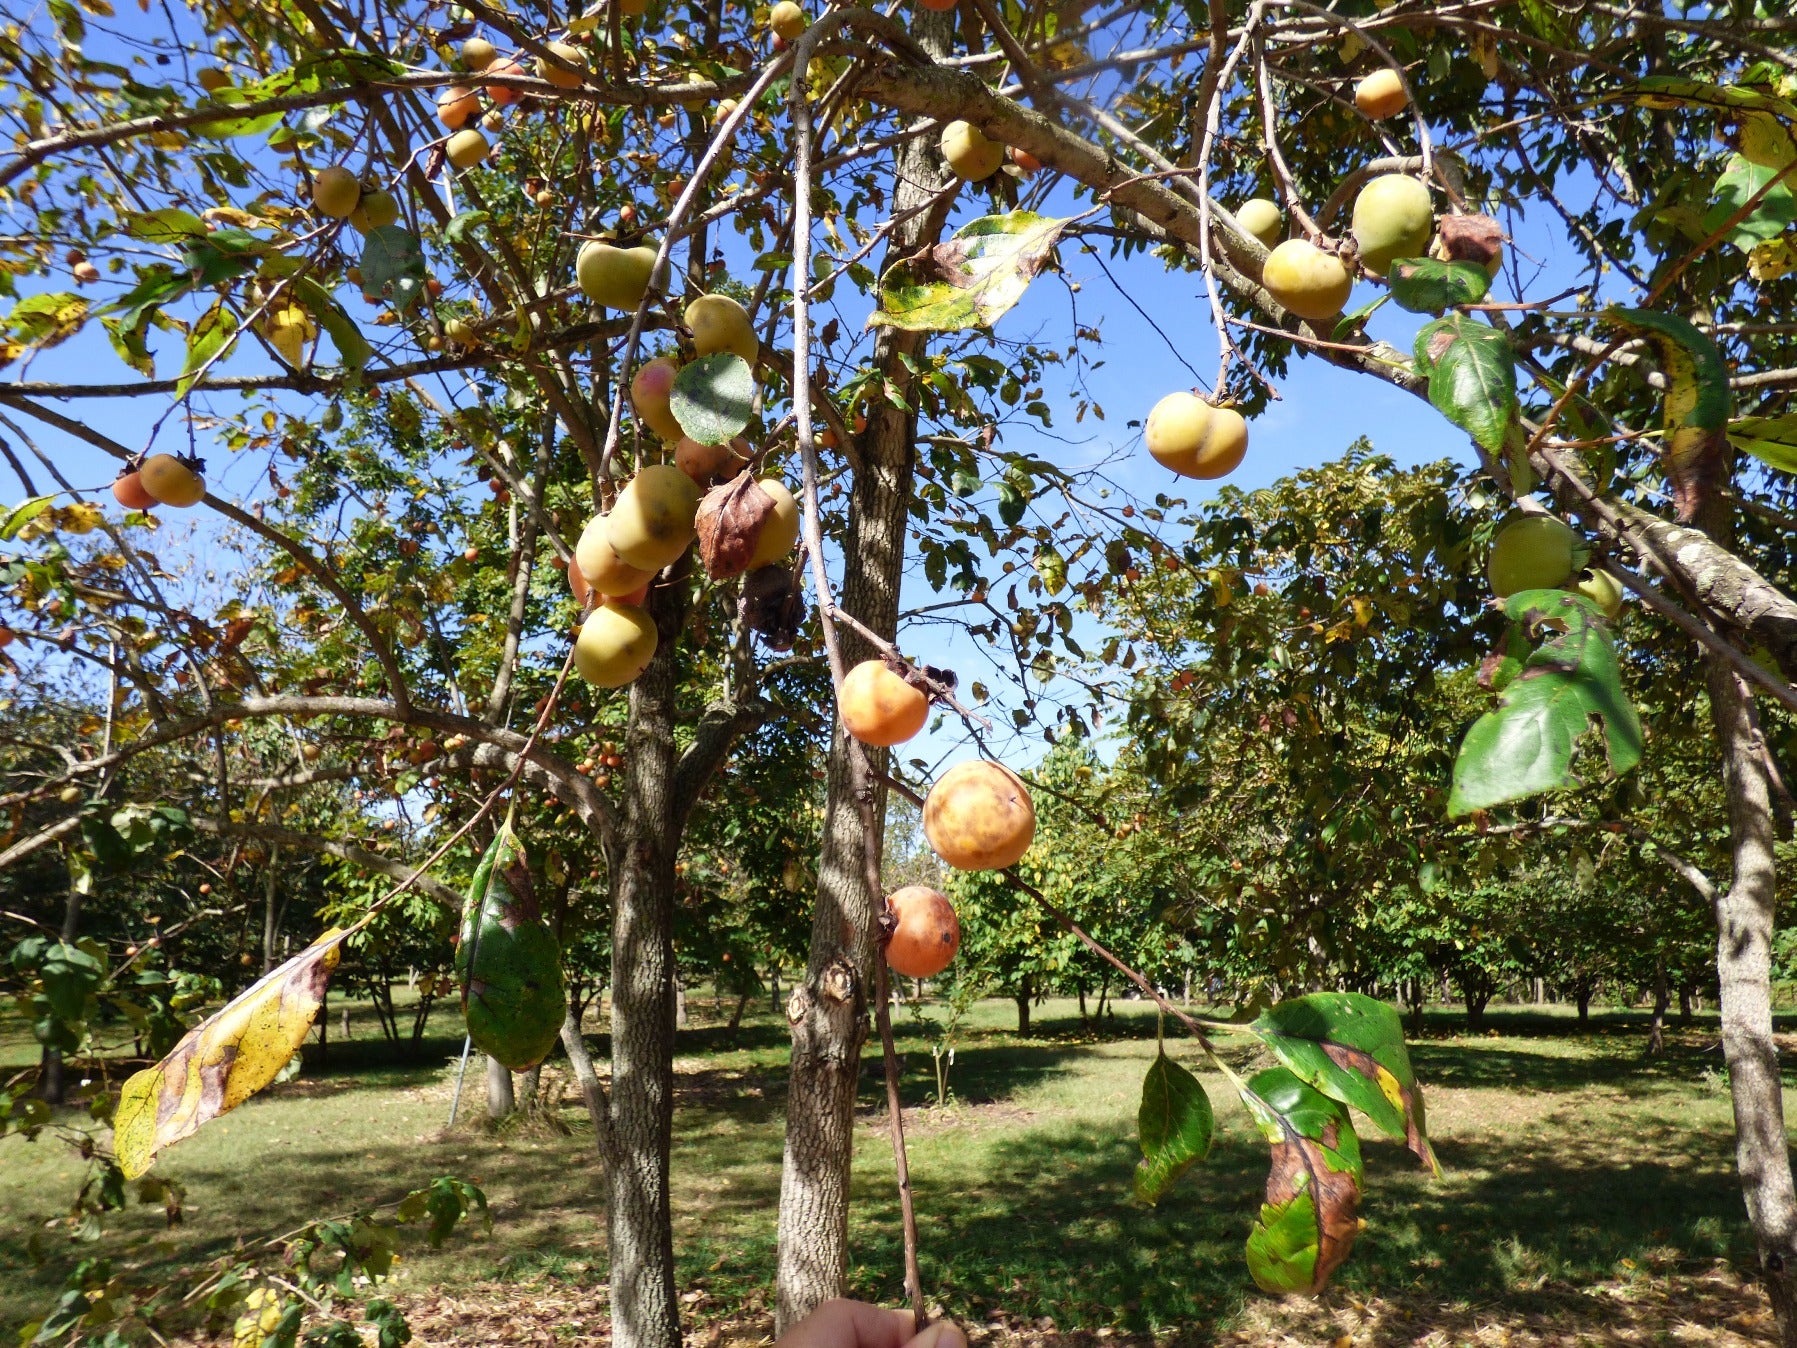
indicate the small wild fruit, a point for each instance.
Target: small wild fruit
{"x":599,"y":565}
{"x":1381,"y":94}
{"x":650,"y":388}
{"x":616,"y":277}
{"x":926,"y":935}
{"x":1261,"y":218}
{"x":705,"y":464}
{"x":970,"y":153}
{"x":478,"y":53}
{"x":557,"y":75}
{"x":1532,"y":552}
{"x":503,"y":95}
{"x":651,"y":523}
{"x":376,"y":210}
{"x":787,"y":20}
{"x":979,"y":817}
{"x":171,"y":482}
{"x":466,"y":148}
{"x":335,"y":192}
{"x":719,"y":323}
{"x":128,"y":491}
{"x":457,"y":106}
{"x":1311,"y":283}
{"x":1602,"y":589}
{"x":1393,"y":218}
{"x":879,"y":707}
{"x":615,"y":645}
{"x":1193,"y":438}
{"x":781,"y":531}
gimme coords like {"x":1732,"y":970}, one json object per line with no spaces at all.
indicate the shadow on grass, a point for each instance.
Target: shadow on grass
{"x":1024,"y":1214}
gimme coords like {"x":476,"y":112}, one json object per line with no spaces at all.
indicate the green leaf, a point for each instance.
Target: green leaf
{"x":1472,"y":376}
{"x":40,"y":322}
{"x":128,"y":342}
{"x":1771,"y":440}
{"x":216,"y":327}
{"x":984,"y":270}
{"x":1174,"y":1124}
{"x":456,"y":231}
{"x":1425,"y":286}
{"x":393,"y":266}
{"x":353,"y":350}
{"x":1741,"y":182}
{"x":508,"y":961}
{"x":168,"y":225}
{"x":1525,"y":746}
{"x":1307,"y":1225}
{"x":21,"y":515}
{"x":1351,"y":1048}
{"x":713,"y":397}
{"x":1698,"y":401}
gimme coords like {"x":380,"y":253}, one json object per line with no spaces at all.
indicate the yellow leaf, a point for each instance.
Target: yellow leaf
{"x":224,"y":1060}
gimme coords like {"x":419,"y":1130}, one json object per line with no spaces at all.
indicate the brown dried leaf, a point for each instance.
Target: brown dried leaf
{"x":730,"y":521}
{"x":1470,"y":238}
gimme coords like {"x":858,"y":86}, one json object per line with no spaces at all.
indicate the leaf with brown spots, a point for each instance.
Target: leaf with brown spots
{"x":1351,"y":1048}
{"x":1308,"y":1223}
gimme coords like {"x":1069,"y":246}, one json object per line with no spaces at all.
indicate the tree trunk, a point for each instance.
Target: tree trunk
{"x":1662,"y":998}
{"x":1684,"y":1005}
{"x":1476,"y":999}
{"x":828,"y":1011}
{"x":1744,"y":927}
{"x":500,"y":1099}
{"x":528,"y":1081}
{"x":736,"y":1016}
{"x":52,"y":1080}
{"x":1582,"y":991}
{"x":1082,"y":1005}
{"x":640,"y":1233}
{"x":1026,"y":993}
{"x":1416,"y":1008}
{"x":271,"y":911}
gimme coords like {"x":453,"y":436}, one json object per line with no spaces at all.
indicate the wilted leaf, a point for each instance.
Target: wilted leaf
{"x":1525,"y":746}
{"x":1307,"y":1225}
{"x":1698,"y":402}
{"x":1351,"y":1048}
{"x":729,"y":524}
{"x":1174,"y":1125}
{"x":508,"y":961}
{"x":984,"y":270}
{"x":225,"y":1059}
{"x":713,"y":397}
{"x":40,"y":322}
{"x":1472,"y":376}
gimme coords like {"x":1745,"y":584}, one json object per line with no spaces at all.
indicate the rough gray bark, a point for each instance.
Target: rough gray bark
{"x":501,"y":1100}
{"x":828,"y":1010}
{"x":639,"y":1217}
{"x":1744,"y":927}
{"x":1662,"y":998}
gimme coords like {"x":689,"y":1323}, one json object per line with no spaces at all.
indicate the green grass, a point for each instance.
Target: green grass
{"x":1572,"y":1161}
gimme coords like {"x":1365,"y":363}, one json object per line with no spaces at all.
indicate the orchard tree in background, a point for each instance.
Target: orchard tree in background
{"x":413,"y":287}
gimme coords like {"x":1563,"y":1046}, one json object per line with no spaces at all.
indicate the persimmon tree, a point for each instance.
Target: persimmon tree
{"x":414,"y":284}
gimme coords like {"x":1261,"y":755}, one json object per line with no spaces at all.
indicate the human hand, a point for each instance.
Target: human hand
{"x":855,"y":1324}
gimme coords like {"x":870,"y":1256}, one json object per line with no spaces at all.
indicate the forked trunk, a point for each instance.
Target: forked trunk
{"x":828,"y":1010}
{"x":1744,"y":929}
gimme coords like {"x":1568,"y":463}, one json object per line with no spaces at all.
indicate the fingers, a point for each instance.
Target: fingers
{"x":939,"y":1334}
{"x":851,"y":1324}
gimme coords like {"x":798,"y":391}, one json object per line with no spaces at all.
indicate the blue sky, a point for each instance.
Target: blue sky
{"x":1321,"y":412}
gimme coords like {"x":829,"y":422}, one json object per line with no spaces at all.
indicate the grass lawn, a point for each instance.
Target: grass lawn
{"x":1589,"y":1195}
